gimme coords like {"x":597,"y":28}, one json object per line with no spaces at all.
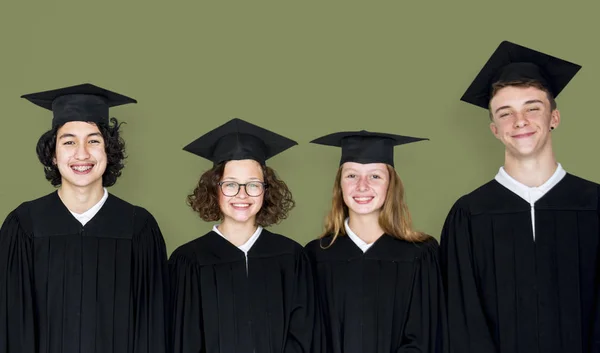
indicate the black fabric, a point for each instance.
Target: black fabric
{"x":220,"y":305}
{"x":364,"y":146}
{"x":70,"y":288}
{"x":511,"y":62}
{"x":508,"y":292}
{"x":84,"y":102}
{"x":237,"y":140}
{"x":388,"y":299}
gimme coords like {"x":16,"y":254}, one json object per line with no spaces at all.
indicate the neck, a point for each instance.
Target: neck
{"x":236,"y":232}
{"x":366,"y":227}
{"x":533,"y":171}
{"x":80,"y":199}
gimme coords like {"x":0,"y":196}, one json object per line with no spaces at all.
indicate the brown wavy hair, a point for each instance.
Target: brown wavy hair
{"x":114,"y":148}
{"x":523,"y":84}
{"x":276,"y":205}
{"x":394,"y":217}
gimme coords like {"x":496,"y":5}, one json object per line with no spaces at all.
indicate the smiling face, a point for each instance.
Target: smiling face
{"x":80,"y":155}
{"x":522,"y":119}
{"x":241,"y":208}
{"x":364,"y":187}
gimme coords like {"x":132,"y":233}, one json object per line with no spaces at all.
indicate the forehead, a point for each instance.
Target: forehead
{"x":515,"y":95}
{"x":359,"y":167}
{"x":246,"y":168}
{"x":78,"y":128}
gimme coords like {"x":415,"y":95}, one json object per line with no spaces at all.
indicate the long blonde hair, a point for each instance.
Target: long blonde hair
{"x":394,"y":217}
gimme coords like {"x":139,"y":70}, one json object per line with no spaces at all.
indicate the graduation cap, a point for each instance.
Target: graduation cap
{"x":366,"y":147}
{"x":84,"y":102}
{"x":238,"y":139}
{"x":512,"y":62}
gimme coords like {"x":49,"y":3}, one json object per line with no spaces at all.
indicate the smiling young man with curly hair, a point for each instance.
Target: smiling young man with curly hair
{"x":80,"y":269}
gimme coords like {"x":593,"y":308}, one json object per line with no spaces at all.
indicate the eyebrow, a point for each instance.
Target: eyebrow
{"x":236,"y":179}
{"x":368,"y":171}
{"x":65,"y":135}
{"x":534,"y":101}
{"x":528,"y":102}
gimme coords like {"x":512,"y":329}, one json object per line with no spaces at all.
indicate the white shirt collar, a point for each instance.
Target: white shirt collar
{"x":248,"y":244}
{"x":530,"y":194}
{"x":355,"y":238}
{"x":86,"y":216}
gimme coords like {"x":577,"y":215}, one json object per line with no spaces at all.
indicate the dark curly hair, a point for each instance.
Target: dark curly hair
{"x":277,"y":202}
{"x":114,"y":147}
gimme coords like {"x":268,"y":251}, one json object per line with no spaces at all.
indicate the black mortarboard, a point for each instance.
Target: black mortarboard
{"x":238,"y":139}
{"x":366,"y":147}
{"x":512,"y":62}
{"x":84,"y":102}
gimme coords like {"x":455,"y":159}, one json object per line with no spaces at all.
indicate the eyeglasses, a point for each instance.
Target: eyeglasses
{"x":231,"y":188}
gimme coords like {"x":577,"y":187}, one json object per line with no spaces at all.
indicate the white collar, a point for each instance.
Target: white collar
{"x":86,"y":216}
{"x":530,"y":194}
{"x":248,"y":244}
{"x":355,"y":238}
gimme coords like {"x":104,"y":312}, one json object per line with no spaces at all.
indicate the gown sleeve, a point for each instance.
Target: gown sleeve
{"x":150,"y":288}
{"x":319,"y":342}
{"x":595,"y":340}
{"x":186,"y":327}
{"x":426,"y":328}
{"x":17,"y":320}
{"x":468,"y":329}
{"x":303,"y":315}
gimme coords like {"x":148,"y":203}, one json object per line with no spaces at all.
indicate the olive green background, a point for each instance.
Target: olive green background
{"x":302,"y":69}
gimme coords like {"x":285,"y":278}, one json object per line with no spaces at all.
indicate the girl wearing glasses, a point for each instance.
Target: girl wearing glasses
{"x":240,"y":288}
{"x":378,"y":280}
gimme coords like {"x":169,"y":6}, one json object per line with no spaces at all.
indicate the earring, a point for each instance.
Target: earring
{"x":551,"y":128}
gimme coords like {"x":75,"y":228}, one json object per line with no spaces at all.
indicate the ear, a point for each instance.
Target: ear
{"x":554,"y":118}
{"x":494,"y":129}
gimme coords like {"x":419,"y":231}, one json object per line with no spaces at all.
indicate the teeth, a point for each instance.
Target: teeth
{"x":81,"y":168}
{"x":241,"y":205}
{"x":363,"y":198}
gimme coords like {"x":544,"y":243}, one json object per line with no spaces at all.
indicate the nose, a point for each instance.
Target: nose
{"x":520,"y":120}
{"x":362,"y":184}
{"x":242,"y":194}
{"x":82,"y":153}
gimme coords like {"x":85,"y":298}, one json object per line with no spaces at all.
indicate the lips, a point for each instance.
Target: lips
{"x":82,"y":169}
{"x":524,"y":135}
{"x":363,"y":200}
{"x":239,"y":206}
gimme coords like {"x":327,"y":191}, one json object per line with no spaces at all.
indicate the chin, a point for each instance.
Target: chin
{"x":243,"y":219}
{"x":82,"y":183}
{"x":364,"y":212}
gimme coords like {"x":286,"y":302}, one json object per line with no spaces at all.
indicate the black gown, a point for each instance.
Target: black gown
{"x":506,"y":291}
{"x":386,"y":300}
{"x":220,"y":305}
{"x":67,"y":288}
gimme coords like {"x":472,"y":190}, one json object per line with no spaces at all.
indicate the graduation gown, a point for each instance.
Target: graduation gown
{"x":67,"y":288}
{"x":223,"y":305}
{"x":386,"y":300}
{"x":509,"y":292}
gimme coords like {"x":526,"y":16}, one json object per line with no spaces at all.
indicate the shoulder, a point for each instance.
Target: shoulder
{"x":21,"y":217}
{"x":281,"y":241}
{"x":428,"y":247}
{"x":192,"y":250}
{"x":28,"y":208}
{"x":575,"y":182}
{"x":396,"y":249}
{"x":573,"y":193}
{"x":142,"y":218}
{"x":320,"y":244}
{"x":491,"y":197}
{"x":479,"y":194}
